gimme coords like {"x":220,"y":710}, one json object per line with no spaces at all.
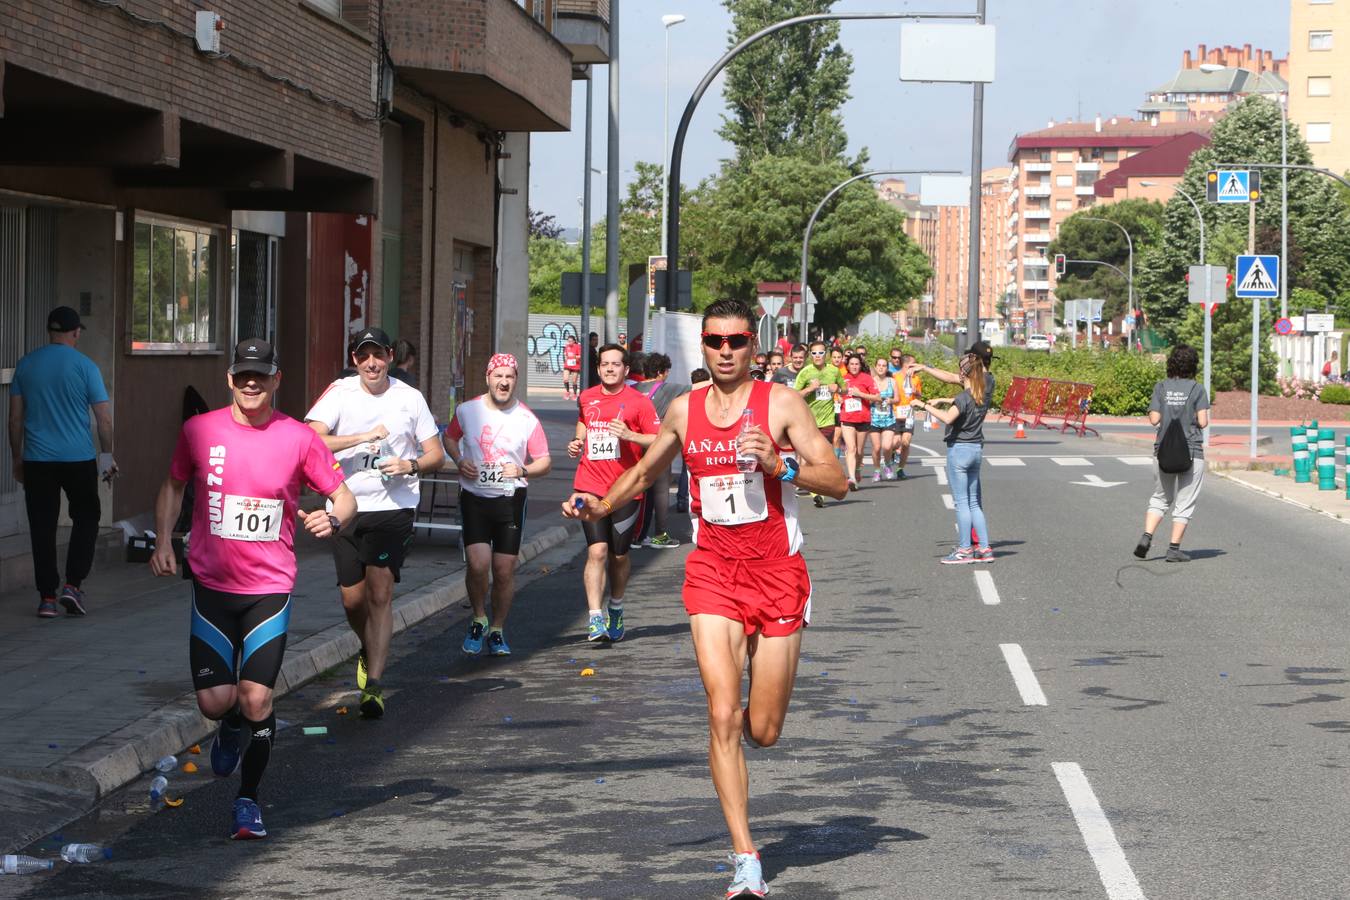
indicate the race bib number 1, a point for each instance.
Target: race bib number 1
{"x":601,"y":445}
{"x":733,"y":499}
{"x":251,"y":519}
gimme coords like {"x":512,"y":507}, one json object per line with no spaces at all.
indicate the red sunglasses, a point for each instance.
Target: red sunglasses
{"x":737,"y":340}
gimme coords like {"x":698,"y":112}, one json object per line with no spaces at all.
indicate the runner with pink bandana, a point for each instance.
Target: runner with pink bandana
{"x":497,"y":444}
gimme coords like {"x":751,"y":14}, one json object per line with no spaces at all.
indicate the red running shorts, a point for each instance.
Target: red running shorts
{"x":769,"y":596}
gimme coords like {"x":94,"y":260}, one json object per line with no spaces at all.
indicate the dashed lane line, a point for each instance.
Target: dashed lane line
{"x":948,"y":501}
{"x":1069,"y":461}
{"x":988,"y":592}
{"x":1005,"y":461}
{"x":1112,"y":866}
{"x":941,"y":472}
{"x":1023,"y":676}
{"x":1136,"y":460}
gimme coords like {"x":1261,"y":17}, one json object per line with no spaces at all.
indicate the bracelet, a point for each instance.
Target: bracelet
{"x":609,"y":510}
{"x":779,"y":469}
{"x":415,"y":467}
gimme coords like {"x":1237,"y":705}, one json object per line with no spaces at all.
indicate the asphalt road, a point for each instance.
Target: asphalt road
{"x":1178,"y":731}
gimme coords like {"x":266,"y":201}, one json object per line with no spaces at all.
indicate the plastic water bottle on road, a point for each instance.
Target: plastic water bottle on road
{"x":85,"y":853}
{"x":158,"y":787}
{"x":167,"y":764}
{"x":25,"y":865}
{"x":745,"y":462}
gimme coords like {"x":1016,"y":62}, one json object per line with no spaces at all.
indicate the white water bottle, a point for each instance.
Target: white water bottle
{"x":745,"y":462}
{"x":167,"y":764}
{"x":158,"y":787}
{"x":85,"y":853}
{"x":24,"y":865}
{"x":386,"y":452}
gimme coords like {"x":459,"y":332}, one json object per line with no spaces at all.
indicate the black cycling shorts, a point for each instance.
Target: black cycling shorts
{"x":236,"y":637}
{"x":616,"y":529}
{"x":498,"y":521}
{"x":377,"y":538}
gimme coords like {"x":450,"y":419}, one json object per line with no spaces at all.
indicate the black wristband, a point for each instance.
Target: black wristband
{"x":416,"y":469}
{"x":335,"y":522}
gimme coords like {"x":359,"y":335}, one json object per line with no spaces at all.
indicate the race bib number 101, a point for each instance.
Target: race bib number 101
{"x":251,"y":519}
{"x":601,"y":445}
{"x":733,"y":499}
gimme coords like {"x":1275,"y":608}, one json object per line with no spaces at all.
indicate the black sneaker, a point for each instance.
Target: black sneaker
{"x":372,"y":701}
{"x":1141,"y":548}
{"x":1177,"y":555}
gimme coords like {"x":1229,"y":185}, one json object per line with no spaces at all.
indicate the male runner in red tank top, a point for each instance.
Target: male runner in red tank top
{"x":746,"y":587}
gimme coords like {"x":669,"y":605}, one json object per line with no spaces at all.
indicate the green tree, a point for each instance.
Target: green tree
{"x":1319,"y":225}
{"x":784,"y":93}
{"x":1082,"y":237}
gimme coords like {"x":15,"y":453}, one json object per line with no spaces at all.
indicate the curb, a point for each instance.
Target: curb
{"x":121,"y":757}
{"x":1228,"y":475}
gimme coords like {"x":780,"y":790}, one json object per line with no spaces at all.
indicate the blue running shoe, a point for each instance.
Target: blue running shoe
{"x":473,"y":641}
{"x":749,"y":880}
{"x":225,"y":751}
{"x":960,"y":556}
{"x":615,"y":627}
{"x":496,"y":644}
{"x":597,"y":629}
{"x":248,"y":824}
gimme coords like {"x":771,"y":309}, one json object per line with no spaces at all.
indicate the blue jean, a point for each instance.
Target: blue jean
{"x":963,"y":471}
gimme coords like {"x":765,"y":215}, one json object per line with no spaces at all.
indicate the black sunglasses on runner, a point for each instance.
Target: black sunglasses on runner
{"x":737,"y":340}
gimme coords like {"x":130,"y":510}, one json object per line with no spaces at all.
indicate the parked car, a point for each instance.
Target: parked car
{"x":1038,"y":342}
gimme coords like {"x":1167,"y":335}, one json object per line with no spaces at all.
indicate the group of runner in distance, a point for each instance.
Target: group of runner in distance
{"x":748,"y":446}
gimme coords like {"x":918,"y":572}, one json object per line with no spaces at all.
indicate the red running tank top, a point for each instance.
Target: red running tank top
{"x":710,"y":451}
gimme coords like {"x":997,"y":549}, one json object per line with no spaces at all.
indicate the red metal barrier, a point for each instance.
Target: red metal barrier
{"x":1079,"y":402}
{"x":1033,"y":401}
{"x":1012,"y":399}
{"x":1056,"y":403}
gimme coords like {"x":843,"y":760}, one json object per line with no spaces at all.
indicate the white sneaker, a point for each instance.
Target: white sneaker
{"x":749,"y":880}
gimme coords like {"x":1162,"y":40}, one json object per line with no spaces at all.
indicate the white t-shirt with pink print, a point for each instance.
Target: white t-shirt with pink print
{"x":489,"y":437}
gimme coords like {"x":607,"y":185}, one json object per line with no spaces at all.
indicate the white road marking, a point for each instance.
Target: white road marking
{"x":1136,"y":460}
{"x":1112,"y":866}
{"x":1096,"y":481}
{"x":1023,"y":676}
{"x":941,"y":472}
{"x":988,"y":593}
{"x":922,"y":449}
{"x":1069,"y":461}
{"x":1005,"y":461}
{"x":948,"y":502}
{"x":933,"y":461}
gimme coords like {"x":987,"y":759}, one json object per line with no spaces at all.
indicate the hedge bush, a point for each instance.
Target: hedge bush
{"x":1124,"y":380}
{"x":1336,"y":393}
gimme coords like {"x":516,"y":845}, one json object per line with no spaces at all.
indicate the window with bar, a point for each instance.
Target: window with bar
{"x":174,"y":286}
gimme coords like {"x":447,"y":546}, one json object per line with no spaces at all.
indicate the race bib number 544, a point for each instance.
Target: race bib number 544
{"x":733,"y":499}
{"x":601,"y":445}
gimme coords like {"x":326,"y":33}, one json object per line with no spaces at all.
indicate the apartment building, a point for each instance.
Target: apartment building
{"x":1055,"y":172}
{"x":295,"y":183}
{"x":1319,"y":66}
{"x":1195,"y":94}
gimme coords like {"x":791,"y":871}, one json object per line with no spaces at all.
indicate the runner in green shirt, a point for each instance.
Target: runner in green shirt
{"x":818,"y":382}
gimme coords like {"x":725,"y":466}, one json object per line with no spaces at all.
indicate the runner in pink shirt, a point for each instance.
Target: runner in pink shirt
{"x":246,"y":463}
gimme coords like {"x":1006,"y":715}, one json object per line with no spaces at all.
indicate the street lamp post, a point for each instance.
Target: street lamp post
{"x":1130,"y":278}
{"x":667,"y":21}
{"x":811,"y":223}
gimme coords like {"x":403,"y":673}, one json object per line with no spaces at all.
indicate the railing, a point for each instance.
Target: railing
{"x":1036,"y":400}
{"x":596,"y":8}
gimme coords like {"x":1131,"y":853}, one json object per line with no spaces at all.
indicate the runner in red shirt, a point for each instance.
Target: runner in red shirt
{"x":246,"y":463}
{"x":746,"y":587}
{"x":616,"y":423}
{"x":855,"y":414}
{"x":571,"y":367}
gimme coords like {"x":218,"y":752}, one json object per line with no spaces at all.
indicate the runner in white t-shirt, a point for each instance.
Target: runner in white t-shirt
{"x":497,"y":444}
{"x":383,"y":434}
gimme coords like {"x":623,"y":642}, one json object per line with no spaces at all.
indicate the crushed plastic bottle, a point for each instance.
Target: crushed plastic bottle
{"x":158,"y":787}
{"x":85,"y":853}
{"x":167,"y":763}
{"x":25,"y":865}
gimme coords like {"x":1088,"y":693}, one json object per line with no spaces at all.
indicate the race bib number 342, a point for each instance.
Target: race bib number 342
{"x":733,"y":499}
{"x":251,"y":519}
{"x":601,"y":445}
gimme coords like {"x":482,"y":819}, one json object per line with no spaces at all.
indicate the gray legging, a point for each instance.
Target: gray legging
{"x":1178,"y":491}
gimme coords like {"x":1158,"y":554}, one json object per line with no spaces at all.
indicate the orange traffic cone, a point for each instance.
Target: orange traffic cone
{"x":1021,"y":431}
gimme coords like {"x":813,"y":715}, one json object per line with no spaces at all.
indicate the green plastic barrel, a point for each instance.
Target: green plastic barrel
{"x":1298,"y":436}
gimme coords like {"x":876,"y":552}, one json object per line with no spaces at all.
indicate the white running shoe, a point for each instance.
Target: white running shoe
{"x":749,"y":880}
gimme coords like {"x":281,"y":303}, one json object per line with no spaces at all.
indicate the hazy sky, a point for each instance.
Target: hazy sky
{"x":1056,"y":58}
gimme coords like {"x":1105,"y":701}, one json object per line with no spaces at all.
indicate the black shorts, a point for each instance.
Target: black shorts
{"x":377,"y":538}
{"x":498,"y":521}
{"x":882,"y":429}
{"x":236,"y":637}
{"x":616,"y":529}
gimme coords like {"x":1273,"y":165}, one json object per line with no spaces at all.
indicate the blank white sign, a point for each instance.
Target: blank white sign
{"x":946,"y":52}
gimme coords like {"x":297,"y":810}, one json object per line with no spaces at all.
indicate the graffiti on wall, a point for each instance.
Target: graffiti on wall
{"x":545,"y":349}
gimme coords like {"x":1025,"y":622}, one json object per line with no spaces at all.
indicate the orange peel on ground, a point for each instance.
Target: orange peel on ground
{"x":189,"y":767}
{"x":588,"y":671}
{"x":173,"y":804}
{"x":195,"y":748}
{"x":342,"y":710}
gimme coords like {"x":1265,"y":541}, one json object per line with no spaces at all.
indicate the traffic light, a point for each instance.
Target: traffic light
{"x":1061,"y":263}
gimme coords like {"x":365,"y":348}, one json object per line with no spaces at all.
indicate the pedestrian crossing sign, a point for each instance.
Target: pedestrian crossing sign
{"x":1258,"y":276}
{"x":1233,"y":186}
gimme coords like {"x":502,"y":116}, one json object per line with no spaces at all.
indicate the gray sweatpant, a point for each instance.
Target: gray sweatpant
{"x":1177,"y":491}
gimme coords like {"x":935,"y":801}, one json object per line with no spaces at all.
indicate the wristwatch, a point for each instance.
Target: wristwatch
{"x":335,"y":522}
{"x":790,"y":469}
{"x":415,"y":467}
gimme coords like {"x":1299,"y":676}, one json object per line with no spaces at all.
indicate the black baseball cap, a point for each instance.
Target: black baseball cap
{"x":371,"y":336}
{"x":63,"y":318}
{"x":254,"y":355}
{"x":984,"y":350}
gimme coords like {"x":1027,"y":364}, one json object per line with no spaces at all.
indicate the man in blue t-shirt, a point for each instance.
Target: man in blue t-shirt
{"x":53,"y":390}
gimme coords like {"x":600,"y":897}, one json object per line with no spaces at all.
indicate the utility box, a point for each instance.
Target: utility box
{"x":209,"y":26}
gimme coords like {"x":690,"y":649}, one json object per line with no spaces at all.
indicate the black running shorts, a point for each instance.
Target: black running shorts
{"x":616,"y":529}
{"x":377,"y":538}
{"x":498,"y":521}
{"x":236,"y":637}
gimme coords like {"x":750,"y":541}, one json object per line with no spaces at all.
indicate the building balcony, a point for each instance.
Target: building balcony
{"x":1035,"y":285}
{"x":1012,"y":198}
{"x":1037,"y":237}
{"x":1033,"y":261}
{"x":1012,"y":220}
{"x":583,"y":27}
{"x":1084,"y":190}
{"x":1012,"y":242}
{"x":1037,"y":215}
{"x":1038,"y":190}
{"x":490,"y":60}
{"x":1087,"y":167}
{"x":1037,"y":167}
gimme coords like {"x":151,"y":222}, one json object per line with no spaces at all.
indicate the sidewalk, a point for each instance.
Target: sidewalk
{"x":91,"y":703}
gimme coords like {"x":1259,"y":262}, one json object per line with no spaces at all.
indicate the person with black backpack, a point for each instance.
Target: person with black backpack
{"x":1180,"y":412}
